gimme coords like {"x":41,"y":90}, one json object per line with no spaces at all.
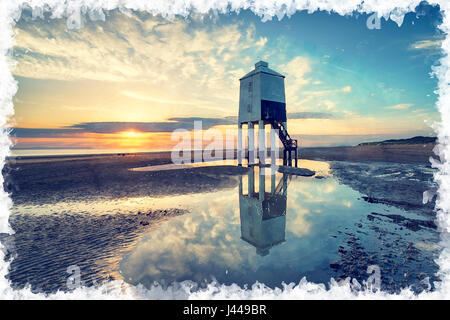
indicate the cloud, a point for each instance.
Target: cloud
{"x":43,"y":132}
{"x":113,"y":127}
{"x":342,"y":69}
{"x":329,"y":104}
{"x":127,"y":48}
{"x":321,"y":93}
{"x":296,"y":70}
{"x":170,"y":56}
{"x":261,"y":42}
{"x":347,"y":89}
{"x":311,"y":115}
{"x":426,"y":45}
{"x":170,"y":125}
{"x":314,"y":100}
{"x":154,"y":99}
{"x":401,"y":106}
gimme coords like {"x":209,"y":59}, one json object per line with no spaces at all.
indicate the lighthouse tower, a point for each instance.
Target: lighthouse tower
{"x":262,"y":101}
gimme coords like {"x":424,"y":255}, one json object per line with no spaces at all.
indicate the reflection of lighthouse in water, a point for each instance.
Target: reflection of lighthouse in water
{"x":263,"y":214}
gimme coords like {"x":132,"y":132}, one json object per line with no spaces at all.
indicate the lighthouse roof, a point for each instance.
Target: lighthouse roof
{"x":262,"y":67}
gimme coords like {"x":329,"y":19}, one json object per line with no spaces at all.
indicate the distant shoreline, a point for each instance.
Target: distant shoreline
{"x":83,"y":155}
{"x":409,"y":153}
{"x":403,"y":153}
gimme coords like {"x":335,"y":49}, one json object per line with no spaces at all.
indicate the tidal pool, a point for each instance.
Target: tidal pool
{"x":280,"y":228}
{"x":240,"y":229}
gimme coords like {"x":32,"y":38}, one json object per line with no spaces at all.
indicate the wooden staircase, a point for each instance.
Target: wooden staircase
{"x":288,"y":143}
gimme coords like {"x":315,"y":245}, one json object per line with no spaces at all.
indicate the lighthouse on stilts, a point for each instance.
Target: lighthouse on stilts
{"x":262,"y":101}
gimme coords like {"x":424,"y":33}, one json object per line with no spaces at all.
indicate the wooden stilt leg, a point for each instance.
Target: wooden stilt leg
{"x":262,"y":144}
{"x":239,"y":148}
{"x":251,"y":144}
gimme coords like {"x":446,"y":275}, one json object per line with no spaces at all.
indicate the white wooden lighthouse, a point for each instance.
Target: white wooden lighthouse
{"x":262,"y":101}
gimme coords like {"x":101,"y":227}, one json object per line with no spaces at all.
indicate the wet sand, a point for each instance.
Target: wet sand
{"x":401,"y":240}
{"x":403,"y":153}
{"x":55,"y":226}
{"x":50,"y":179}
{"x":45,"y":245}
{"x":39,"y":180}
{"x":95,"y":241}
{"x":397,"y":184}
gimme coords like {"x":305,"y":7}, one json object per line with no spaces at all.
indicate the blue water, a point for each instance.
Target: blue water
{"x":299,"y":228}
{"x":313,"y":227}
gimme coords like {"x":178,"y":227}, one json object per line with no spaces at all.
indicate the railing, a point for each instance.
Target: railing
{"x":288,"y":142}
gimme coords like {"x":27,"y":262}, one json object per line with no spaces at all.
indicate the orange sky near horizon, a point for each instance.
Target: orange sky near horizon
{"x":157,"y":74}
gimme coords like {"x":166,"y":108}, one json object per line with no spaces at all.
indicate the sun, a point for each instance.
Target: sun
{"x":130,"y":134}
{"x":130,"y":139}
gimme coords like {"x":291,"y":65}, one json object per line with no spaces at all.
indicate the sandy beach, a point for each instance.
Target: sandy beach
{"x":43,"y":180}
{"x":96,"y":213}
{"x":29,"y":178}
{"x":112,"y":111}
{"x":403,"y":153}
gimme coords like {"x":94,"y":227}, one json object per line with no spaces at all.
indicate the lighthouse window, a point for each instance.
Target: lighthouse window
{"x":249,"y":107}
{"x":249,"y":87}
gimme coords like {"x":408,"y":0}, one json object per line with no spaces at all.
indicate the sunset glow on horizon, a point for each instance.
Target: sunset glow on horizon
{"x":128,"y":82}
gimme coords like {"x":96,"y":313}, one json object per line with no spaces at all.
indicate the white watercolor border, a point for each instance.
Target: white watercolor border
{"x":73,"y":10}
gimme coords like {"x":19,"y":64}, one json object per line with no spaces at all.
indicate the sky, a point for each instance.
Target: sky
{"x":127,"y":82}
